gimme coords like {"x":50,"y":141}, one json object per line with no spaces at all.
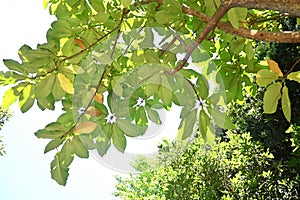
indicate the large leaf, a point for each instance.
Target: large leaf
{"x":79,"y":149}
{"x":44,"y":87}
{"x":186,"y":126}
{"x":235,"y":15}
{"x":286,"y":103}
{"x":221,"y":119}
{"x":204,"y":123}
{"x":53,"y":144}
{"x":118,"y":139}
{"x":274,"y":67}
{"x":264,"y":77}
{"x":294,"y":76}
{"x":59,"y":172}
{"x":130,"y":129}
{"x":86,"y":127}
{"x":65,"y":83}
{"x":271,"y":97}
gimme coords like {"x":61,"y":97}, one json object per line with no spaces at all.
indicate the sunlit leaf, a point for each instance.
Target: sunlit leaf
{"x":294,"y":76}
{"x":65,"y":83}
{"x":118,"y":139}
{"x":53,"y":144}
{"x":274,"y":67}
{"x":271,"y":97}
{"x":264,"y":77}
{"x":286,"y":104}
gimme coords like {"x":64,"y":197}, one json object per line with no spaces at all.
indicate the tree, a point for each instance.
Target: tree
{"x":239,"y":168}
{"x":4,"y":116}
{"x":114,"y":63}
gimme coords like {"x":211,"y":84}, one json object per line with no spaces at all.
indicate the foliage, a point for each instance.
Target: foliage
{"x":113,"y":63}
{"x":237,"y":169}
{"x":4,"y":116}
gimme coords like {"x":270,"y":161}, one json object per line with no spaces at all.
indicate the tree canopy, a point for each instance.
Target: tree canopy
{"x":113,"y":63}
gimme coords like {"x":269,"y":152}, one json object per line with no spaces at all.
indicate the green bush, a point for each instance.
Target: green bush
{"x":237,"y":169}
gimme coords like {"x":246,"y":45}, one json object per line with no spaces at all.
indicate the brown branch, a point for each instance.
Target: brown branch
{"x":292,"y":68}
{"x":291,"y":7}
{"x":211,"y":25}
{"x":281,"y":37}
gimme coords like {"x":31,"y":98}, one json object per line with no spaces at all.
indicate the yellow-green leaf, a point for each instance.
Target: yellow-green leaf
{"x":274,"y":67}
{"x":294,"y":76}
{"x":264,"y":77}
{"x":126,"y":3}
{"x":286,"y":103}
{"x":271,"y":97}
{"x":85,"y":127}
{"x":65,"y":83}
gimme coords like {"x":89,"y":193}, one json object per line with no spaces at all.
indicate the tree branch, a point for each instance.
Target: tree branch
{"x":281,"y":37}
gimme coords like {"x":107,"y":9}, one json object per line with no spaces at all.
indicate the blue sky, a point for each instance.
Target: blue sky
{"x":25,"y":170}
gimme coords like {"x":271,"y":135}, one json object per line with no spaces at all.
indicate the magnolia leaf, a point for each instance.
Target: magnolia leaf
{"x":99,"y":98}
{"x":9,"y":98}
{"x":43,"y":133}
{"x":130,"y":129}
{"x":286,"y":103}
{"x":65,"y":83}
{"x":26,"y":99}
{"x":59,"y":172}
{"x":271,"y":97}
{"x":53,"y":144}
{"x":85,"y":127}
{"x":44,"y":87}
{"x":154,"y":116}
{"x":204,"y":123}
{"x":294,"y":76}
{"x":264,"y":77}
{"x":203,"y":85}
{"x":186,"y":126}
{"x":13,"y":65}
{"x":118,"y":139}
{"x":274,"y":67}
{"x":79,"y":149}
{"x":126,"y":3}
{"x":235,"y":15}
{"x":221,"y":119}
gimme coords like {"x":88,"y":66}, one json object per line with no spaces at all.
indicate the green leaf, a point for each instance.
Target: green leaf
{"x":97,"y":5}
{"x":9,"y":98}
{"x":130,"y":129}
{"x":13,"y":65}
{"x":126,"y":3}
{"x":44,"y":87}
{"x":204,"y":123}
{"x":165,"y":94}
{"x":286,"y":103}
{"x":65,"y":83}
{"x":154,"y":116}
{"x":221,"y":119}
{"x":53,"y":144}
{"x":271,"y":97}
{"x":43,"y":133}
{"x":264,"y":77}
{"x":67,"y":153}
{"x":79,"y":149}
{"x":294,"y":76}
{"x":235,"y":15}
{"x":59,"y":172}
{"x":186,"y":126}
{"x":118,"y":139}
{"x":203,"y":85}
{"x":249,"y":51}
{"x":26,"y":99}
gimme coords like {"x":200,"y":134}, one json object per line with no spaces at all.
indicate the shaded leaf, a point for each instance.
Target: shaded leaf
{"x":118,"y":139}
{"x":53,"y":144}
{"x":221,"y":119}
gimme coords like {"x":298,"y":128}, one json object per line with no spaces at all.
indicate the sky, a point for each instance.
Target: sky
{"x":25,"y":170}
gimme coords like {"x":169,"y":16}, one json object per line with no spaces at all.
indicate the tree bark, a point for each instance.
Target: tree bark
{"x":291,"y":7}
